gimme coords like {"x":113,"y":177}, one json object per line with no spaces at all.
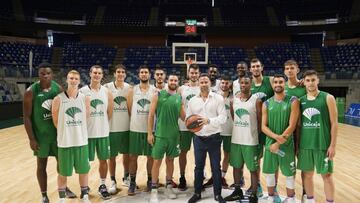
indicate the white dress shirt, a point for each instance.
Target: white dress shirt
{"x":212,"y":108}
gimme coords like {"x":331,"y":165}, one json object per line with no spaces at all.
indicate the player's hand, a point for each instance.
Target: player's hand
{"x":281,"y":139}
{"x":331,"y":152}
{"x":274,"y":147}
{"x":301,"y":82}
{"x":150,"y":139}
{"x":34,"y":145}
{"x":203,"y":121}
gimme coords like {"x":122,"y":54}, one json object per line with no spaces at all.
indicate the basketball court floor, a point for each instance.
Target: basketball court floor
{"x":19,"y":184}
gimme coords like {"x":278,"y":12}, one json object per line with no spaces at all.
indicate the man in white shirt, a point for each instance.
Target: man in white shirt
{"x":211,"y":107}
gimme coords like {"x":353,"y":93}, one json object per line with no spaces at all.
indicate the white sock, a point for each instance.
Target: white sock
{"x":223,"y":173}
{"x":102,"y":181}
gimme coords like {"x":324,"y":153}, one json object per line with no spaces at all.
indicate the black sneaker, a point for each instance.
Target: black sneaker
{"x":182,"y":184}
{"x":44,"y":199}
{"x":219,"y":199}
{"x":253,"y":198}
{"x":148,"y":186}
{"x":131,"y":190}
{"x":103,"y":192}
{"x":209,"y":183}
{"x":236,"y":195}
{"x":195,"y":198}
{"x":69,"y":193}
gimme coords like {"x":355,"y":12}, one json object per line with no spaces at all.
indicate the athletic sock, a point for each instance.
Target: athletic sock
{"x":44,"y":194}
{"x":132,"y":178}
{"x":84,"y":191}
{"x":223,"y":173}
{"x":62,"y":193}
{"x":113,"y":178}
{"x":102,"y":181}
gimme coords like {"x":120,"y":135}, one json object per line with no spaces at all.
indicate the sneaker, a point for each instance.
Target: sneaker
{"x":85,"y":199}
{"x":182,"y":184}
{"x":289,"y":200}
{"x":103,"y":192}
{"x":69,"y":193}
{"x":131,"y":190}
{"x":45,"y":199}
{"x":277,"y":198}
{"x":174,"y":185}
{"x":219,"y":199}
{"x":259,"y":192}
{"x":126,"y":181}
{"x":169,"y":192}
{"x":148,"y":186}
{"x":249,"y":191}
{"x":236,"y":195}
{"x":209,"y":183}
{"x":194,"y":198}
{"x":253,"y":198}
{"x":113,"y":189}
{"x":304,"y":198}
{"x":224,"y":184}
{"x":154,"y":196}
{"x":62,"y":200}
{"x":270,"y":199}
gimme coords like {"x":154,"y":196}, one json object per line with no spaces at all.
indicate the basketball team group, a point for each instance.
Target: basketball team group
{"x":285,"y":121}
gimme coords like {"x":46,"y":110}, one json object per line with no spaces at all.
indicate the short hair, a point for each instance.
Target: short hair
{"x":225,"y":77}
{"x":194,"y":66}
{"x":143,"y":67}
{"x":97,"y":67}
{"x":158,"y":67}
{"x":173,"y":74}
{"x":44,"y":65}
{"x":74,"y":72}
{"x":247,"y":75}
{"x":242,"y":63}
{"x":310,"y":72}
{"x":120,"y":66}
{"x":213,"y":66}
{"x":204,"y":75}
{"x":278,"y":75}
{"x":255,"y":60}
{"x":291,"y":62}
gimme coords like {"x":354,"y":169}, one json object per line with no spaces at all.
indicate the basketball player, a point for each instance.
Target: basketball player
{"x":119,"y":126}
{"x":279,"y":116}
{"x":39,"y":125}
{"x":168,"y":107}
{"x":246,"y":112}
{"x":241,"y":69}
{"x":70,"y":111}
{"x":213,"y":73}
{"x":319,"y":128}
{"x":211,"y":107}
{"x":226,"y":130}
{"x":187,"y":92}
{"x":101,"y":109}
{"x":160,"y":76}
{"x":261,"y":87}
{"x":294,"y":87}
{"x":138,"y":101}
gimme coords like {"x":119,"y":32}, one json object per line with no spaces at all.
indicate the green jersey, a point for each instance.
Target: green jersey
{"x":297,"y":91}
{"x":264,"y":91}
{"x":315,"y":123}
{"x":167,"y":114}
{"x":41,"y":118}
{"x":278,"y":116}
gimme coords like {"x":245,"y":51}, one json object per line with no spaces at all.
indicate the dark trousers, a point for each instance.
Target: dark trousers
{"x":212,"y":145}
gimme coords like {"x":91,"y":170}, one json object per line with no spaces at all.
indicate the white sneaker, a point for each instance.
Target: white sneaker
{"x":62,"y":200}
{"x":154,"y":196}
{"x":270,"y":199}
{"x":169,"y":192}
{"x":85,"y":199}
{"x":126,"y":181}
{"x":289,"y":200}
{"x":113,"y":189}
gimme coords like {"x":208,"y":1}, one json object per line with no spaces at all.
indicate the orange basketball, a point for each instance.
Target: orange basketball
{"x":193,"y":123}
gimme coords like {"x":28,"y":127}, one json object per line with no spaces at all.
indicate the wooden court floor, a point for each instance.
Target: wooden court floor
{"x":18,"y":181}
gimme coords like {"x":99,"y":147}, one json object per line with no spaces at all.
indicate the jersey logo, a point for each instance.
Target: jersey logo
{"x":190,"y":96}
{"x":119,"y":99}
{"x":241,"y":112}
{"x":72,"y":111}
{"x":95,"y":102}
{"x":227,"y":107}
{"x":143,"y":103}
{"x":310,"y":112}
{"x":47,"y":104}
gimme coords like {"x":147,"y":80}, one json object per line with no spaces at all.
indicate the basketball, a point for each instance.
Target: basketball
{"x":193,"y":123}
